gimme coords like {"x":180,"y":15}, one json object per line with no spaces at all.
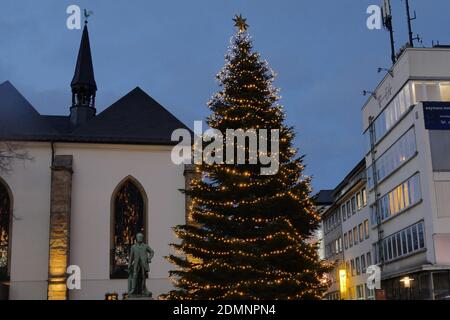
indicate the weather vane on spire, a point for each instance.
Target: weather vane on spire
{"x":241,"y":23}
{"x":87,"y":14}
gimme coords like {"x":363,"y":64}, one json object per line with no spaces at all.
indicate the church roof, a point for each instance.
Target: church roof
{"x":84,"y":70}
{"x":136,"y":118}
{"x":18,"y":119}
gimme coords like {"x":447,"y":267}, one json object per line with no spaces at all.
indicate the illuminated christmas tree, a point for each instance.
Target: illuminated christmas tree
{"x":247,"y":234}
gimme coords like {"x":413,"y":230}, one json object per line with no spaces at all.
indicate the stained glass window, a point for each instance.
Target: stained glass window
{"x":128,"y":222}
{"x":4,"y":230}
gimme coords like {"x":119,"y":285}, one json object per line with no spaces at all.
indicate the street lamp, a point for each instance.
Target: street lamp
{"x":407,"y":281}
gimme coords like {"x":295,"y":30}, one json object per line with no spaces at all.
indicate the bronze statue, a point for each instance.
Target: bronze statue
{"x":140,"y":257}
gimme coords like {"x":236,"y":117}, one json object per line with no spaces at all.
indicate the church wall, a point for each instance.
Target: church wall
{"x":29,"y":182}
{"x":98,"y":170}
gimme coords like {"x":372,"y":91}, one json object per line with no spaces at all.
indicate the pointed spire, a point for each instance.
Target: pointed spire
{"x":83,"y":84}
{"x":84,"y":70}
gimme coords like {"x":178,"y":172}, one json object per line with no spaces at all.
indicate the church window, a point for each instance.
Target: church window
{"x":129,"y":209}
{"x":5,"y":226}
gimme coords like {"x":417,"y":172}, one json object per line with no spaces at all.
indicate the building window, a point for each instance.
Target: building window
{"x":359,"y":204}
{"x":364,"y":197}
{"x":5,"y":230}
{"x":129,"y":219}
{"x":352,"y":265}
{"x":405,"y":242}
{"x":353,"y":205}
{"x":343,"y":212}
{"x":361,"y":232}
{"x":400,"y":199}
{"x":350,"y":238}
{"x":349,"y":209}
{"x":399,"y":153}
{"x":369,"y":259}
{"x":390,"y":115}
{"x":345,"y":241}
{"x":358,"y":266}
{"x":363,"y":264}
{"x":360,"y":292}
{"x":366,"y":229}
{"x":445,"y":91}
{"x":355,"y":235}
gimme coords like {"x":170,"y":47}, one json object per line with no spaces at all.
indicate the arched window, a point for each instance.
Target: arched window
{"x":5,"y":230}
{"x":129,"y":215}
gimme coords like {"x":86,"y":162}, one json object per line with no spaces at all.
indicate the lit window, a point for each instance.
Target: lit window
{"x":128,"y":215}
{"x":401,"y":198}
{"x":364,"y":197}
{"x":359,"y":201}
{"x":445,"y":91}
{"x":5,"y":224}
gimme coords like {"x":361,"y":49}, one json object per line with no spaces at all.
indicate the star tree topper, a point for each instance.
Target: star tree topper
{"x":241,"y":23}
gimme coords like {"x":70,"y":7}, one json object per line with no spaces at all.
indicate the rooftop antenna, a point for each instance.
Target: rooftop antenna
{"x":87,"y":14}
{"x":411,"y":36}
{"x":387,"y":24}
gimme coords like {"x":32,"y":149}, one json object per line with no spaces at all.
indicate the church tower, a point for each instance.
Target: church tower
{"x":83,"y":84}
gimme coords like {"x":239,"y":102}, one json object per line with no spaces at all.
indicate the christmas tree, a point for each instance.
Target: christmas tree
{"x":247,"y":234}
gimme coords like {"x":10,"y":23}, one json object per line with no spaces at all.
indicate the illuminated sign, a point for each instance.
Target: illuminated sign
{"x":436,"y":115}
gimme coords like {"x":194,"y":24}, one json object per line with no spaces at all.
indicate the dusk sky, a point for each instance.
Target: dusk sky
{"x":322,"y":51}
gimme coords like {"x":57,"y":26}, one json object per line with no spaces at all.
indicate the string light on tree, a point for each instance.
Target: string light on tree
{"x":247,"y":236}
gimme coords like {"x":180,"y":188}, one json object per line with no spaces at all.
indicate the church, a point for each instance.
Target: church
{"x":88,"y":185}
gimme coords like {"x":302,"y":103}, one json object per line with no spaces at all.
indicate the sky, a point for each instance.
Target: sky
{"x":322,"y":51}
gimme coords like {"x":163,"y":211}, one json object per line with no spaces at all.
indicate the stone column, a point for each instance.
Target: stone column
{"x":59,"y":242}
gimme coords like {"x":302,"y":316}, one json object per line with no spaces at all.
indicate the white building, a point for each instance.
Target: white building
{"x":351,"y":198}
{"x":347,"y":238}
{"x":91,"y":183}
{"x":407,"y":125}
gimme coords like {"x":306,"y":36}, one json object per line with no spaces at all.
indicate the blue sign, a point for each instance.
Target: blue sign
{"x":437,"y":115}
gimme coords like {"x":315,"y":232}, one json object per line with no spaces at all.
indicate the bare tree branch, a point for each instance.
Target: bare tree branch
{"x":9,"y":152}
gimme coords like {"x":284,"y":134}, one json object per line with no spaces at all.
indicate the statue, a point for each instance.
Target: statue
{"x":140,"y":257}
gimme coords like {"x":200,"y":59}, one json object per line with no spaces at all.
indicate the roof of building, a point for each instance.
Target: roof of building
{"x":84,"y":70}
{"x":136,"y":118}
{"x":349,"y":178}
{"x":324,"y":197}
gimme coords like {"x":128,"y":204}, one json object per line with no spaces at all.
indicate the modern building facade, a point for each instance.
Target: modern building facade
{"x":395,"y":205}
{"x":333,"y":248}
{"x":407,"y":128}
{"x":347,"y":238}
